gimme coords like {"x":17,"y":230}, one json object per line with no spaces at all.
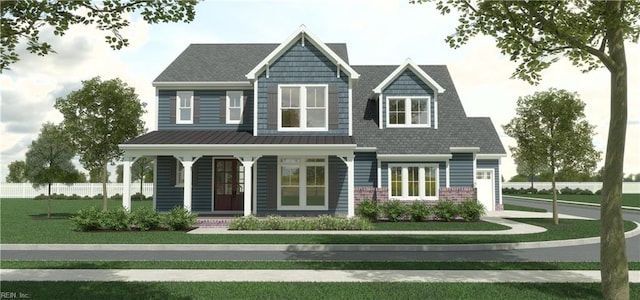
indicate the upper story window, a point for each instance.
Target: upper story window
{"x":413,"y":182}
{"x":408,"y":112}
{"x":184,"y":107}
{"x":302,"y":107}
{"x":234,"y":107}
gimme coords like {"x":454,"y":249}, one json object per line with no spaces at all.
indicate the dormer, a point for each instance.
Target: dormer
{"x":408,"y":98}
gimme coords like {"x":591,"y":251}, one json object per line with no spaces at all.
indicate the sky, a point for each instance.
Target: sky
{"x":376,"y":32}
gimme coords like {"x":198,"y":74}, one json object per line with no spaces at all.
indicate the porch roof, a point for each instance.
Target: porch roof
{"x":219,"y":137}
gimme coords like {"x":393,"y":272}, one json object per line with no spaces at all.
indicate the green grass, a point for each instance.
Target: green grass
{"x":438,"y":226}
{"x":280,"y":290}
{"x":632,"y":200}
{"x":306,"y":265}
{"x":523,"y":208}
{"x":22,"y":222}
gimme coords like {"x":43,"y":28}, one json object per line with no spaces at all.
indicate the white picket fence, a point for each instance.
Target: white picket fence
{"x":627,"y":187}
{"x":26,"y":190}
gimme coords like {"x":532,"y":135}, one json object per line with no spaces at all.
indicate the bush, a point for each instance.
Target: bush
{"x":117,"y":219}
{"x":245,"y":223}
{"x":116,"y":196}
{"x":41,"y":197}
{"x":419,"y":211}
{"x":273,"y":223}
{"x":395,"y":210}
{"x":471,"y":210}
{"x":87,"y":219}
{"x":179,"y":218}
{"x":368,"y":209}
{"x":567,"y":191}
{"x":146,"y":219}
{"x":446,"y":210}
{"x":598,"y":192}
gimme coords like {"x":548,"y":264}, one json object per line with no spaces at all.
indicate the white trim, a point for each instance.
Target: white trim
{"x":379,"y":175}
{"x":303,"y":109}
{"x":228,"y":107}
{"x":255,"y":108}
{"x":464,"y":149}
{"x":190,"y":95}
{"x":414,"y":157}
{"x":197,"y":85}
{"x":408,"y":112}
{"x":302,"y":31}
{"x":350,"y":94}
{"x":447,"y":176}
{"x":366,"y":149}
{"x":421,"y":181}
{"x":490,"y":156}
{"x":499,"y":182}
{"x":179,"y":165}
{"x":475,"y":167}
{"x":302,"y":183}
{"x":408,"y":63}
{"x":155,"y":182}
{"x":435,"y":112}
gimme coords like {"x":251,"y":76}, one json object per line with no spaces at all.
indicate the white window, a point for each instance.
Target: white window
{"x":413,"y":181}
{"x":234,"y":107}
{"x":184,"y":107}
{"x":408,"y":112}
{"x":302,"y":184}
{"x":179,"y":173}
{"x":302,"y":107}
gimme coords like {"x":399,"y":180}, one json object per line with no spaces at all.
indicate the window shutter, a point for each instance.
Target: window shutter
{"x":172,"y":171}
{"x":172,"y":109}
{"x":272,"y":107}
{"x":334,"y":185}
{"x":245,"y":111}
{"x":223,"y":109}
{"x":334,"y":109}
{"x":272,"y":186}
{"x":196,"y":109}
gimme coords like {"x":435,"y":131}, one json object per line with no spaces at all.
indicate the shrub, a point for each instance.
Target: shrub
{"x":446,"y":210}
{"x":567,"y":191}
{"x":146,"y":219}
{"x":245,"y":223}
{"x":117,"y":219}
{"x":598,"y":192}
{"x":368,"y":209}
{"x":394,"y":210}
{"x":138,"y":196}
{"x":116,"y":197}
{"x":87,"y":219}
{"x":41,"y":197}
{"x":419,"y":211}
{"x":471,"y":210}
{"x":273,"y":223}
{"x":179,"y":218}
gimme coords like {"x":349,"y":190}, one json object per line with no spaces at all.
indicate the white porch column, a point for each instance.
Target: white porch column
{"x":126,"y":186}
{"x":247,"y":163}
{"x":187,"y":184}
{"x":348,"y":160}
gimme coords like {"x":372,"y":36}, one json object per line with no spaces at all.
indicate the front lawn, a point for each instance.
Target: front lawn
{"x":438,"y":226}
{"x":22,"y":222}
{"x":632,"y":200}
{"x":523,"y":208}
{"x":301,"y":290}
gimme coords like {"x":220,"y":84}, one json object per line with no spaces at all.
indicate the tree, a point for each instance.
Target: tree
{"x":119,"y":174}
{"x":17,"y":172}
{"x":140,"y":169}
{"x":551,"y":126}
{"x":591,"y":34}
{"x":48,"y":159}
{"x":528,"y":166}
{"x":99,"y":116}
{"x":22,"y":21}
{"x":95,"y":175}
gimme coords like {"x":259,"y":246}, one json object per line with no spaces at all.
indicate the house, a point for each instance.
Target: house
{"x":294,"y":129}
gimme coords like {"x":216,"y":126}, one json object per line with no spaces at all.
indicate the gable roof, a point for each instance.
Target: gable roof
{"x":307,"y":36}
{"x":223,"y":62}
{"x":455,"y":129}
{"x":408,"y":64}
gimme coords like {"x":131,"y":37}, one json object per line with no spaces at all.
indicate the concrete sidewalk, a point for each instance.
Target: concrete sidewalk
{"x":173,"y":275}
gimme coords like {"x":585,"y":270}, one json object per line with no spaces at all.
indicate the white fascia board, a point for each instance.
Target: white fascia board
{"x":417,"y":70}
{"x":464,"y":149}
{"x":414,"y":157}
{"x":309,"y":37}
{"x":366,"y":149}
{"x":490,"y":156}
{"x":202,"y":84}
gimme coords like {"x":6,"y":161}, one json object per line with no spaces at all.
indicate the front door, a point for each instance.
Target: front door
{"x":229,"y":185}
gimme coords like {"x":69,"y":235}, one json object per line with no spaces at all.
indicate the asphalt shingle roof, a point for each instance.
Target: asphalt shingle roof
{"x":212,"y":137}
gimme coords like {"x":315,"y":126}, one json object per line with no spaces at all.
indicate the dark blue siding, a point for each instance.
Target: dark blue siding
{"x":408,"y":84}
{"x":442,"y":174}
{"x":303,"y":65}
{"x":169,"y":196}
{"x":461,"y":170}
{"x":201,"y":197}
{"x":495,"y":165}
{"x":365,"y":169}
{"x":209,"y":111}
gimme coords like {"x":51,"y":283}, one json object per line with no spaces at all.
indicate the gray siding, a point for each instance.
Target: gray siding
{"x":461,"y":170}
{"x":365,"y":169}
{"x":384,"y":172}
{"x":303,"y":65}
{"x":169,"y":196}
{"x":209,"y":111}
{"x":408,"y":84}
{"x":495,"y":165}
{"x":267,"y":189}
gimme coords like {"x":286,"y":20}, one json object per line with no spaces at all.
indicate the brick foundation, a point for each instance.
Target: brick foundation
{"x":457,"y":194}
{"x":376,"y":194}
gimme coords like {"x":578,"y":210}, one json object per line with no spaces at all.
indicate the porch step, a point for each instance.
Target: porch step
{"x":213,"y":222}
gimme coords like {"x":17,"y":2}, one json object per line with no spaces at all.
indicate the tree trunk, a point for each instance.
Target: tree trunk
{"x":49,"y":203}
{"x":614,"y":270}
{"x":105,"y":198}
{"x":556,"y":221}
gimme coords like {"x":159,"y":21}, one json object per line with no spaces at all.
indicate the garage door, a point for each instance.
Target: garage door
{"x":485,"y":188}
